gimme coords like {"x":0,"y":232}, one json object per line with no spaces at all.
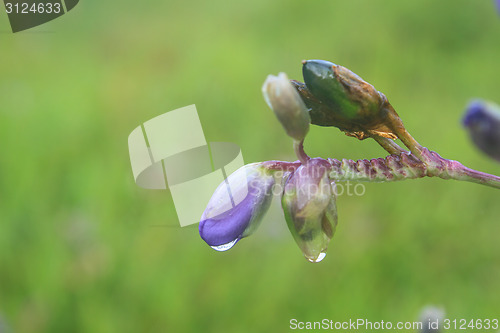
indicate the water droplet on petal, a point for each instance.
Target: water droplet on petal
{"x":320,"y":257}
{"x":225,"y":247}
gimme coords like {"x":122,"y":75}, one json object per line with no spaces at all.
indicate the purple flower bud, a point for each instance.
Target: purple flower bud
{"x":237,"y":207}
{"x":482,"y":120}
{"x":310,"y":208}
{"x":287,"y":105}
{"x":497,"y":2}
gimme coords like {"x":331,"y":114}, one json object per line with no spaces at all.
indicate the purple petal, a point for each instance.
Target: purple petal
{"x":482,"y":120}
{"x":228,"y":226}
{"x":228,"y":218}
{"x":475,"y":112}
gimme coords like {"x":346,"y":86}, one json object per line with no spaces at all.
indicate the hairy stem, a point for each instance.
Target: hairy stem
{"x":396,"y":167}
{"x":408,"y":166}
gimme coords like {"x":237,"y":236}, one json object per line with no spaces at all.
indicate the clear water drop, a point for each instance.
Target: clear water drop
{"x":225,"y":247}
{"x":320,"y":257}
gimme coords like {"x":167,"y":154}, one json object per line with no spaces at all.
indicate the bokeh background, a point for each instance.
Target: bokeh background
{"x":83,"y":249}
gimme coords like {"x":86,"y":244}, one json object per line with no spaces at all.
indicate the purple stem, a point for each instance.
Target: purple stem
{"x":461,"y":172}
{"x":298,"y":147}
{"x":282,"y":165}
{"x":397,"y":167}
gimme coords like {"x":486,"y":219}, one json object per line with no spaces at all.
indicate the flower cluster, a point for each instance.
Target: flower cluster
{"x":331,"y":95}
{"x":308,"y":197}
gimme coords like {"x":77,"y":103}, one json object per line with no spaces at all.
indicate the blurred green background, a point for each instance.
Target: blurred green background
{"x":83,"y":249}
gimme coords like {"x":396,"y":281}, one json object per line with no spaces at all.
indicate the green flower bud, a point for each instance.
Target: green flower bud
{"x":348,"y":95}
{"x":309,"y":204}
{"x":287,"y":105}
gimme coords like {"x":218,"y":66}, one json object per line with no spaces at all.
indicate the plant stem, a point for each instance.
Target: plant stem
{"x":408,"y":166}
{"x":396,"y":167}
{"x":390,"y":146}
{"x":298,"y":147}
{"x":282,"y":165}
{"x":396,"y":125}
{"x":460,"y":172}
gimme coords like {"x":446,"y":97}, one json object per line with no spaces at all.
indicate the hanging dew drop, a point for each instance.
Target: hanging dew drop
{"x":320,"y":257}
{"x":225,"y":247}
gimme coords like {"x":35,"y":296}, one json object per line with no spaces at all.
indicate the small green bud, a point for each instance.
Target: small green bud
{"x":309,"y":204}
{"x":287,"y":105}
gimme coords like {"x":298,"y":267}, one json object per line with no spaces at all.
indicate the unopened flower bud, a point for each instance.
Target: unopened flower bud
{"x":287,"y":105}
{"x":309,"y":204}
{"x":237,"y":207}
{"x":482,"y":120}
{"x":343,"y":91}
